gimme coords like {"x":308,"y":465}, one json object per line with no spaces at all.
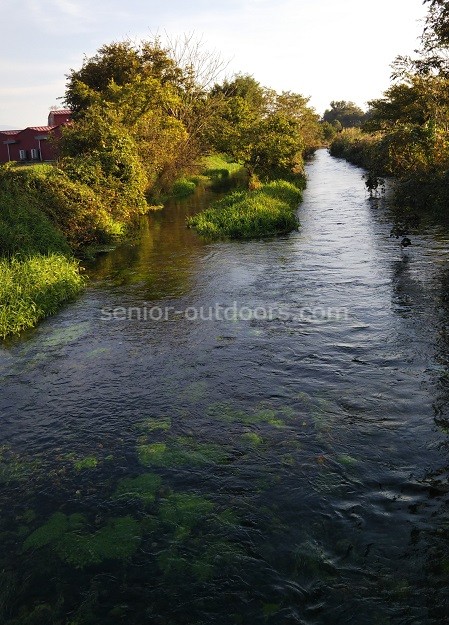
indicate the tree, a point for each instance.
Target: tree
{"x":99,"y":152}
{"x":158,"y":94}
{"x":266,"y":131}
{"x":347,"y":113}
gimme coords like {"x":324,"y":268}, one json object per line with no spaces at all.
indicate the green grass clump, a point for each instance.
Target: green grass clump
{"x":33,"y":288}
{"x":267,"y":211}
{"x":220,"y":163}
{"x":183,"y":188}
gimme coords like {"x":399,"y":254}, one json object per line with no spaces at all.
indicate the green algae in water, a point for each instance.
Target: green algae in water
{"x":54,"y":530}
{"x":346,"y":460}
{"x":66,"y":535}
{"x":152,"y":455}
{"x":172,"y":562}
{"x":226,"y":411}
{"x":196,"y":391}
{"x":154,"y":424}
{"x":118,"y":540}
{"x":206,"y":557}
{"x":181,"y":512}
{"x":89,"y":462}
{"x":13,"y":468}
{"x":310,"y":561}
{"x":143,"y":487}
{"x":100,"y":351}
{"x":182,"y":451}
{"x":252,"y":438}
{"x":64,"y":335}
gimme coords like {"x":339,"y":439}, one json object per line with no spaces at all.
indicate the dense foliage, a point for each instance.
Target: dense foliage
{"x":37,"y":271}
{"x":343,"y":114}
{"x":407,"y":131}
{"x":268,"y":132}
{"x":166,"y":104}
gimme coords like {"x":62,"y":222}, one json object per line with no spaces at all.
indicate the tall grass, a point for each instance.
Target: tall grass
{"x":32,"y":288}
{"x":267,"y":211}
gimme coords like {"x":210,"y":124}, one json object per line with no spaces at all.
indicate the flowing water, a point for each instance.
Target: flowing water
{"x":282,"y":458}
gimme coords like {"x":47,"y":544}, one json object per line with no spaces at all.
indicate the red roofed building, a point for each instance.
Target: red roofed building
{"x":35,"y":143}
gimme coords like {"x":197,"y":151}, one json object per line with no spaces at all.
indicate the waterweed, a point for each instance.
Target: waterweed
{"x":143,"y":487}
{"x":181,"y":451}
{"x":68,"y":537}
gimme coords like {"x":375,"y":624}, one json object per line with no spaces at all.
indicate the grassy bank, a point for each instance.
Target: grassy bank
{"x":37,"y":271}
{"x":33,"y":288}
{"x":267,"y":211}
{"x":217,"y":171}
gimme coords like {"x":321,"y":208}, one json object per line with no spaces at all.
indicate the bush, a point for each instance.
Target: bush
{"x":356,"y":147}
{"x":73,"y":209}
{"x":267,"y":211}
{"x":33,"y":288}
{"x":24,"y":228}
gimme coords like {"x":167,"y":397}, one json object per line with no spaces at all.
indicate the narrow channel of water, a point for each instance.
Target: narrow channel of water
{"x":289,"y":468}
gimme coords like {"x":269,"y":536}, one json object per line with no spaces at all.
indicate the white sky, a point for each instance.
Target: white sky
{"x":326,"y":49}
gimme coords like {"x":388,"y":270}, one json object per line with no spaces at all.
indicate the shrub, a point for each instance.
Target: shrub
{"x":24,"y":228}
{"x":356,"y":147}
{"x":74,"y":210}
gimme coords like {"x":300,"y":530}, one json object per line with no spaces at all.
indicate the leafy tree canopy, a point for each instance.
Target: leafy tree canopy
{"x":347,"y":113}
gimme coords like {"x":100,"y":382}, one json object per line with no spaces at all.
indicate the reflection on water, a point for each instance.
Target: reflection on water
{"x":231,"y":472}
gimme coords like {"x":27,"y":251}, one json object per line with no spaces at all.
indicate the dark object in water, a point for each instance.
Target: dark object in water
{"x":405,"y":242}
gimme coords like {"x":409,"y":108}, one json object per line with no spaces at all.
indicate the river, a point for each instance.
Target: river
{"x":273,"y":449}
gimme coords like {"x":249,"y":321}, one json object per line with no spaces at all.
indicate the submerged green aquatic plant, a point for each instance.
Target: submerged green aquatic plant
{"x":179,"y":452}
{"x":143,"y":487}
{"x":183,"y":511}
{"x":201,"y":558}
{"x":13,"y":468}
{"x":154,"y":424}
{"x":252,"y":438}
{"x":68,"y":538}
{"x":89,"y":462}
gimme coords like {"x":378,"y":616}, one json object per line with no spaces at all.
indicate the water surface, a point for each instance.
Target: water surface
{"x":238,"y":471}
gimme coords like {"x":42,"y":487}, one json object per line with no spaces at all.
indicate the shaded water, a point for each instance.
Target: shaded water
{"x":237,"y":471}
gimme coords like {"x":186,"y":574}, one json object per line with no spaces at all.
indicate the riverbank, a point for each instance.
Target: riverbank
{"x":35,"y":287}
{"x":48,"y":220}
{"x":38,"y":270}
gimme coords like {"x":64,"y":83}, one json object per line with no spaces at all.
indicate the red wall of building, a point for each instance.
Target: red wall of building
{"x":44,"y":139}
{"x":56,"y":118}
{"x":28,"y":140}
